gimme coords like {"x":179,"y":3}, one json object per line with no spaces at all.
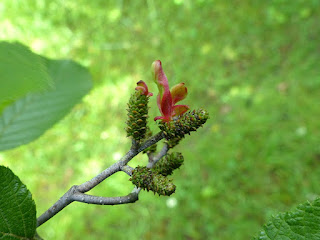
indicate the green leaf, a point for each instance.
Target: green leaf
{"x":21,"y":72}
{"x":303,"y":223}
{"x":17,"y":208}
{"x":29,"y":117}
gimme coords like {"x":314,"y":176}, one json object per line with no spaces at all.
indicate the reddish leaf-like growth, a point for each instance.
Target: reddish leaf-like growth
{"x":167,"y":99}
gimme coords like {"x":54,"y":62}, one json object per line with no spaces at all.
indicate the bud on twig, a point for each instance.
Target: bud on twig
{"x":169,"y":163}
{"x":147,"y":179}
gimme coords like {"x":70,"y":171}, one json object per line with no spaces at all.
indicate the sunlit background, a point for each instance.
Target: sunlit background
{"x":254,"y":65}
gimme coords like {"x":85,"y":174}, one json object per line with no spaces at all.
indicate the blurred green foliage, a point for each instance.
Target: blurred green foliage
{"x":21,"y":72}
{"x":254,"y":65}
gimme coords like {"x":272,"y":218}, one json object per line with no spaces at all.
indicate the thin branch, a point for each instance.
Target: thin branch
{"x":64,"y":201}
{"x":152,"y":140}
{"x":127,"y":169}
{"x":76,"y":193}
{"x":156,"y":158}
{"x":85,"y":198}
{"x":87,"y":186}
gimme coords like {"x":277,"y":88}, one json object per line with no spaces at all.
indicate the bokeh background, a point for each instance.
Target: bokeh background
{"x":254,"y":65}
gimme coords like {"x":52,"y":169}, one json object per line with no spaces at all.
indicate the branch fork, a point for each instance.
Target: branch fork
{"x":77,"y":192}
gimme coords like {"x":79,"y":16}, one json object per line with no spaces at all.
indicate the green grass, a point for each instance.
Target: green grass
{"x":254,"y":65}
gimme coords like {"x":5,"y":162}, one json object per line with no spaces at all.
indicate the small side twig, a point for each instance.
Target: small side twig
{"x":85,"y":198}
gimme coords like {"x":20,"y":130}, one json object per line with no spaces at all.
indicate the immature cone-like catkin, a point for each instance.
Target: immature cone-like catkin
{"x":137,"y":115}
{"x":169,"y":163}
{"x":190,"y":121}
{"x":149,"y":180}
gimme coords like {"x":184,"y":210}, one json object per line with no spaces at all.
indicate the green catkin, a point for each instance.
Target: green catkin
{"x":190,"y":121}
{"x":137,"y":116}
{"x":169,"y":163}
{"x":149,"y":180}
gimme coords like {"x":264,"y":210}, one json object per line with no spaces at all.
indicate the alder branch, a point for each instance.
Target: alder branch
{"x":76,"y":192}
{"x":87,"y":186}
